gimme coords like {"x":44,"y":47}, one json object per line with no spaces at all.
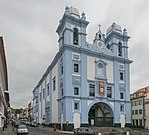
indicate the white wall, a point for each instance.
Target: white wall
{"x":109,"y":71}
{"x":90,"y":68}
{"x":55,"y":95}
{"x":147,"y":115}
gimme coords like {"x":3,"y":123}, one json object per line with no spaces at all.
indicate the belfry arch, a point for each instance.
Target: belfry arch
{"x":100,"y":115}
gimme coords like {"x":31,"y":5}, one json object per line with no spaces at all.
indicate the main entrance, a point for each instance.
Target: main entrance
{"x":100,"y":115}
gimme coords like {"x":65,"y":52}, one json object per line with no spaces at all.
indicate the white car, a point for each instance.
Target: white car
{"x":22,"y":129}
{"x":84,"y":131}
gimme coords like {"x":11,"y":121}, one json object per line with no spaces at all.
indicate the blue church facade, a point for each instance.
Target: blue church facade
{"x":86,"y":84}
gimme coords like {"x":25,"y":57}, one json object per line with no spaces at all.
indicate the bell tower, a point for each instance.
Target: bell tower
{"x":72,"y":28}
{"x":117,"y":41}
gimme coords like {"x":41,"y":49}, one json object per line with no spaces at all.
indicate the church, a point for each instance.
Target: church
{"x":86,"y":83}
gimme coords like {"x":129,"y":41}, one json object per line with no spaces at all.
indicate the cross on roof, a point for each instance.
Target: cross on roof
{"x":99,"y":26}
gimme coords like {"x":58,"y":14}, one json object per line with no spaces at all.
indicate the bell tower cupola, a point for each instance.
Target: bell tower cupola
{"x":117,"y":40}
{"x":72,"y":28}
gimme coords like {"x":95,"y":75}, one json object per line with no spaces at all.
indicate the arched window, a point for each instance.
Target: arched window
{"x":99,"y":36}
{"x":119,"y":49}
{"x":100,"y":69}
{"x":75,"y":36}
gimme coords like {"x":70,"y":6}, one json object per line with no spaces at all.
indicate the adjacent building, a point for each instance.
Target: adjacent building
{"x":4,"y":95}
{"x":30,"y":112}
{"x":86,"y":83}
{"x":140,"y":108}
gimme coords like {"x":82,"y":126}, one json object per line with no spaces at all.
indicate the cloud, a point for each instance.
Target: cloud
{"x":28,"y":28}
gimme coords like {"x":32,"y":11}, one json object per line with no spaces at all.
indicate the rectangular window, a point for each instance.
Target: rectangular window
{"x":91,"y":90}
{"x":54,"y":84}
{"x":132,"y":112}
{"x":76,"y":91}
{"x":109,"y":92}
{"x":122,"y":108}
{"x":76,"y":68}
{"x":121,"y":95}
{"x":43,"y":93}
{"x":40,"y":96}
{"x":62,"y":106}
{"x":136,"y":111}
{"x":140,"y":102}
{"x":62,"y":92}
{"x":136,"y":103}
{"x":121,"y":76}
{"x":62,"y":70}
{"x":48,"y":91}
{"x":76,"y":106}
{"x":140,"y":111}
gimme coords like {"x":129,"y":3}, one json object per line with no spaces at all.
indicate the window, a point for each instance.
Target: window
{"x":91,"y":90}
{"x":121,"y":76}
{"x":132,"y":112}
{"x":122,"y":108}
{"x":136,"y":103}
{"x":54,"y":84}
{"x":76,"y":106}
{"x":121,"y":95}
{"x":76,"y":91}
{"x":140,"y":102}
{"x":119,"y":49}
{"x":48,"y":89}
{"x":40,"y":96}
{"x":62,"y":70}
{"x":62,"y":106}
{"x":76,"y":68}
{"x":43,"y":93}
{"x":75,"y":36}
{"x":136,"y":111}
{"x":109,"y":92}
{"x":99,"y":36}
{"x":62,"y":92}
{"x":140,"y":111}
{"x":100,"y":69}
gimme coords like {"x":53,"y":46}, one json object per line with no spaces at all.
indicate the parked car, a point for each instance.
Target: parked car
{"x":85,"y":131}
{"x":22,"y":129}
{"x":34,"y":124}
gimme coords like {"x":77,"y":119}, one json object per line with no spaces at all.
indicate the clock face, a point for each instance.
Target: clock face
{"x":99,"y":45}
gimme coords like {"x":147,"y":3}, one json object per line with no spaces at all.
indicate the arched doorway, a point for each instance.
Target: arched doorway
{"x":100,"y":115}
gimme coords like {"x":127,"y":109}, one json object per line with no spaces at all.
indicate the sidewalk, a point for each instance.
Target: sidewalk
{"x":8,"y":130}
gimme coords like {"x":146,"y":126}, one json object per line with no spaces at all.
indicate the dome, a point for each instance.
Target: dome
{"x":114,"y":27}
{"x":74,"y":12}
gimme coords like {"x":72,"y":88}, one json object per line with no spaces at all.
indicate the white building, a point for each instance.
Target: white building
{"x":139,"y":107}
{"x":86,"y":84}
{"x":147,"y":114}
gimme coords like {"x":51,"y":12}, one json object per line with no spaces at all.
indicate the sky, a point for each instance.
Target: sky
{"x":31,"y":42}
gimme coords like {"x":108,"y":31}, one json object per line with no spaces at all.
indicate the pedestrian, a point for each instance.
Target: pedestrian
{"x":54,"y":126}
{"x":3,"y":128}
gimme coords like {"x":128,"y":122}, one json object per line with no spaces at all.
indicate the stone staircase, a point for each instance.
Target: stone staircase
{"x":111,"y":129}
